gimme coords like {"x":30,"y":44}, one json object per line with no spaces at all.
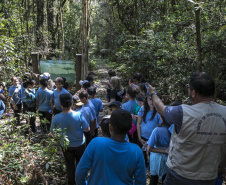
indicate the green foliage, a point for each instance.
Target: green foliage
{"x":158,"y":39}
{"x":31,"y":160}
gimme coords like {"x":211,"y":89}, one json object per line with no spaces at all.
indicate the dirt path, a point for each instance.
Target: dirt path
{"x":101,"y":74}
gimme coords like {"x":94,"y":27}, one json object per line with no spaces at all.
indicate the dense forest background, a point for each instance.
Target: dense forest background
{"x":165,"y":40}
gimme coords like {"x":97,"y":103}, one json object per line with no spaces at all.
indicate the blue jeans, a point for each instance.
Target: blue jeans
{"x":172,"y":178}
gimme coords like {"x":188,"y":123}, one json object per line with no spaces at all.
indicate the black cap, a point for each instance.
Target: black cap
{"x":116,"y":103}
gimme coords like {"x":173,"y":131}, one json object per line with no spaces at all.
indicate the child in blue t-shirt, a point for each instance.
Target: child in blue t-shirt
{"x":25,"y":78}
{"x":15,"y":98}
{"x":29,"y":100}
{"x":158,"y":144}
{"x":86,"y":112}
{"x":131,"y":93}
{"x":72,"y":124}
{"x":83,"y":96}
{"x":148,"y":120}
{"x":56,"y":108}
{"x":96,"y":101}
{"x":133,"y":137}
{"x":43,"y":105}
{"x":112,"y":161}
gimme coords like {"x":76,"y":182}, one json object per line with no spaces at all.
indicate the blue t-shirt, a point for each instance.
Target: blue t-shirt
{"x":78,"y":109}
{"x":127,"y":138}
{"x":15,"y":92}
{"x":148,"y":126}
{"x":56,"y":97}
{"x":159,"y":138}
{"x":171,"y":129}
{"x":111,"y":162}
{"x":44,"y":96}
{"x":97,"y":103}
{"x":72,"y":125}
{"x":22,"y":89}
{"x":29,"y":99}
{"x":93,"y":111}
{"x":129,"y":106}
{"x":2,"y":107}
{"x":86,"y":112}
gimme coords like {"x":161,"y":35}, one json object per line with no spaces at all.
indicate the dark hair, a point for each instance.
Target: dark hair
{"x":138,"y":77}
{"x":131,"y":91}
{"x":203,"y":84}
{"x":83,"y":94}
{"x":91,"y":90}
{"x":111,"y":73}
{"x":104,"y":125}
{"x":86,"y":85}
{"x":140,"y":97}
{"x":66,"y":100}
{"x":142,"y":87}
{"x":66,"y":84}
{"x":121,"y":121}
{"x":25,"y":78}
{"x":59,"y":80}
{"x":89,"y":78}
{"x":43,"y":82}
{"x":30,"y":82}
{"x":147,"y":108}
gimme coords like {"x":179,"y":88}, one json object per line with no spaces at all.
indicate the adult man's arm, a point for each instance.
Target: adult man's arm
{"x":172,"y":115}
{"x":160,"y":107}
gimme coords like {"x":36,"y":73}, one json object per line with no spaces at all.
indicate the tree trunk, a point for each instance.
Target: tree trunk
{"x":85,"y":37}
{"x":50,"y":22}
{"x":198,"y":38}
{"x":40,"y":21}
{"x":62,"y":30}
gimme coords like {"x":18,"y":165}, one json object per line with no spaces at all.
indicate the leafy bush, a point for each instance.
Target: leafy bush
{"x":30,"y":159}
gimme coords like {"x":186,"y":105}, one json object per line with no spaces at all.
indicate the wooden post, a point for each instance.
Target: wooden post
{"x":35,"y":66}
{"x":78,"y":70}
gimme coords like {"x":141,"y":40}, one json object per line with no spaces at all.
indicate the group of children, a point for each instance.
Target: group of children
{"x":46,"y":100}
{"x":147,"y":129}
{"x":23,"y":96}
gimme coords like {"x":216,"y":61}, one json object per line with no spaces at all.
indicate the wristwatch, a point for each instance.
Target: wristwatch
{"x":154,"y":94}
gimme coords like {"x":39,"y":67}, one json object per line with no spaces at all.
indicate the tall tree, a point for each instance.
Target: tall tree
{"x":50,"y":22}
{"x":85,"y":37}
{"x":40,"y":21}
